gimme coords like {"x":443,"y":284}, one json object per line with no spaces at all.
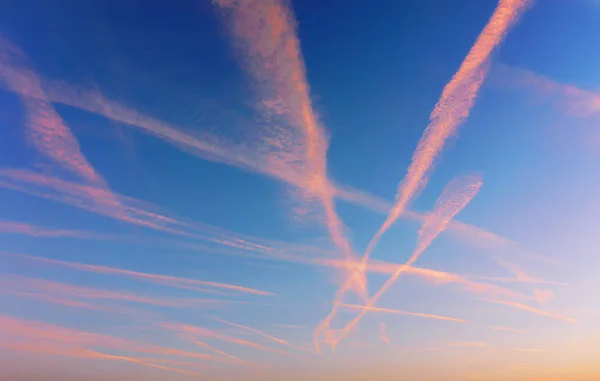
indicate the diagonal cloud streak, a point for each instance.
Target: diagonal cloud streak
{"x":536,"y":311}
{"x":264,"y":33}
{"x":454,"y":198}
{"x":165,"y":280}
{"x":451,"y":110}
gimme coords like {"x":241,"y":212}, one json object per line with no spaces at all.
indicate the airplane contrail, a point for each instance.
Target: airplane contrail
{"x":263,"y":334}
{"x":454,"y":198}
{"x":399,"y":312}
{"x":166,"y":280}
{"x":17,"y":285}
{"x":451,"y":110}
{"x":33,"y":332}
{"x":266,"y":38}
{"x":189,"y":332}
{"x":210,"y":147}
{"x":45,"y":129}
{"x":536,"y":311}
{"x":573,"y":100}
{"x":507,"y":329}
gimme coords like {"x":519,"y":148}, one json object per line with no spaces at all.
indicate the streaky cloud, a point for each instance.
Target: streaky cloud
{"x":536,"y":311}
{"x":454,"y":198}
{"x":165,"y":280}
{"x":265,"y":38}
{"x":572,"y":100}
{"x":451,"y":110}
{"x":210,"y":147}
{"x":399,"y":312}
{"x":263,"y":334}
{"x":44,"y":127}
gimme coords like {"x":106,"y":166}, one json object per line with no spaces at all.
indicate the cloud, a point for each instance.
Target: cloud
{"x":263,"y":334}
{"x":452,"y":109}
{"x":455,"y":197}
{"x":249,"y":156}
{"x":572,"y":100}
{"x":399,"y":312}
{"x":536,"y":311}
{"x":506,"y":329}
{"x":265,"y":38}
{"x":45,"y":128}
{"x":189,"y":333}
{"x":165,"y":280}
{"x":69,"y":295}
{"x":32,"y":336}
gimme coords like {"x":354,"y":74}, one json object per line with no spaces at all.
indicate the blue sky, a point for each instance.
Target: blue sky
{"x":199,"y":144}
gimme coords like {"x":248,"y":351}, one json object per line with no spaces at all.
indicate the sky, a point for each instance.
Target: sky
{"x":299,"y":190}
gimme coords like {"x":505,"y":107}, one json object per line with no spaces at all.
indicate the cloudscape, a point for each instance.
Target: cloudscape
{"x":299,"y":190}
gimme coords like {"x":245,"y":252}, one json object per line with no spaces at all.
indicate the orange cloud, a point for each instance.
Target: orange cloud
{"x":572,"y":100}
{"x":189,"y":333}
{"x":507,"y":329}
{"x":263,"y":334}
{"x":455,"y":196}
{"x":399,"y":312}
{"x":531,"y":309}
{"x":543,"y":296}
{"x":383,"y":333}
{"x":27,"y":335}
{"x":13,"y":227}
{"x":166,"y":280}
{"x":265,"y":36}
{"x":45,"y":129}
{"x":452,"y":108}
{"x":68,"y":295}
{"x":248,"y":157}
{"x":466,"y":344}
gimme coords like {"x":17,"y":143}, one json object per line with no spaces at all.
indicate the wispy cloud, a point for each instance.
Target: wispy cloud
{"x":165,"y":280}
{"x":572,"y":100}
{"x":536,"y":311}
{"x":189,"y":332}
{"x":63,"y":292}
{"x":263,"y":334}
{"x":383,"y":333}
{"x":466,"y":344}
{"x":506,"y":329}
{"x":14,"y":227}
{"x":247,"y":156}
{"x":455,"y":197}
{"x":399,"y":312}
{"x":44,"y":127}
{"x":265,"y":35}
{"x":28,"y":335}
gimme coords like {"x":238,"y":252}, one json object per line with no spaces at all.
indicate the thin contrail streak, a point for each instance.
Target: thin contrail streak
{"x":506,"y":329}
{"x":42,"y":287}
{"x":536,"y":311}
{"x":571,"y":99}
{"x":263,"y":334}
{"x":454,"y":198}
{"x":44,"y":127}
{"x":399,"y":312}
{"x":166,"y":280}
{"x":32,"y":332}
{"x":451,"y":110}
{"x":190,"y":332}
